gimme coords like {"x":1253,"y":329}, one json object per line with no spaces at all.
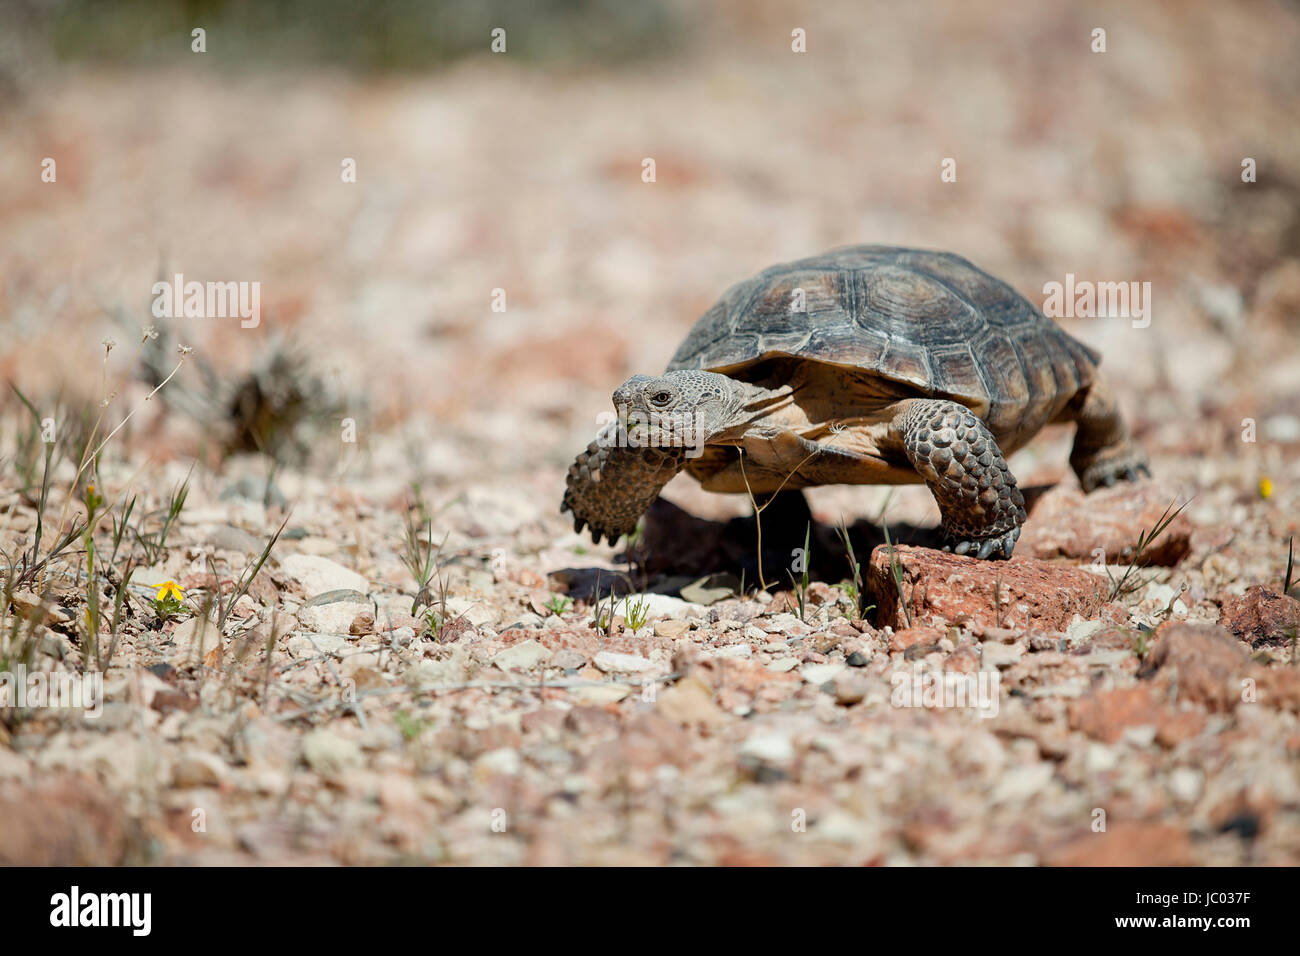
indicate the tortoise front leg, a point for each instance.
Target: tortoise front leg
{"x":610,"y":485}
{"x":981,"y":507}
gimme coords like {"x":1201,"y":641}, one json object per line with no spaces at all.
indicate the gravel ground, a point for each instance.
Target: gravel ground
{"x":329,"y":717}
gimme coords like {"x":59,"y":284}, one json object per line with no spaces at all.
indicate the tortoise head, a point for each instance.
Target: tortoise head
{"x":682,"y":408}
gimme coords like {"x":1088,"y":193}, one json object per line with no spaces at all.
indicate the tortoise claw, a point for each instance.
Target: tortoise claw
{"x":996,"y":547}
{"x":1109,"y":472}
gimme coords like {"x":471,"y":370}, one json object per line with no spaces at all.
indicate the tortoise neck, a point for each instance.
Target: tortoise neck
{"x":752,"y":403}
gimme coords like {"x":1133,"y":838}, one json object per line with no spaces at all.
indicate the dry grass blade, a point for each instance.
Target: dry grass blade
{"x":248,"y":574}
{"x":1288,"y":581}
{"x":1122,"y":587}
{"x":896,"y":572}
{"x":855,"y":586}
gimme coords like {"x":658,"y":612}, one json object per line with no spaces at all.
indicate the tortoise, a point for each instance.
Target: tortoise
{"x":866,"y":365}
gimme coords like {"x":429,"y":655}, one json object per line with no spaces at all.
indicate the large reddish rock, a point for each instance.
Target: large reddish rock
{"x":908,"y":637}
{"x":938,"y":587}
{"x":1205,"y":664}
{"x":64,"y":821}
{"x":1204,"y":661}
{"x":1066,"y":523}
{"x":1278,"y":688}
{"x":1261,"y":616}
{"x":1106,"y":715}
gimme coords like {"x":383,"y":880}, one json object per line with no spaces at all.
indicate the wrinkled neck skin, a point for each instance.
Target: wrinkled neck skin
{"x":751,"y":405}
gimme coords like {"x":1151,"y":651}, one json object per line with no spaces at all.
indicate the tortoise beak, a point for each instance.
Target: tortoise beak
{"x":626,"y":393}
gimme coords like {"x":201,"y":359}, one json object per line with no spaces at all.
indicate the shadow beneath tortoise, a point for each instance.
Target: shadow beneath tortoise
{"x":677,"y":544}
{"x":678,"y":548}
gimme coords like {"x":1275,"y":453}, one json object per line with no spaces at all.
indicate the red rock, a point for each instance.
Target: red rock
{"x":821,"y":644}
{"x":689,"y":702}
{"x":819,"y":594}
{"x":1278,"y":687}
{"x":68,"y":821}
{"x":937,"y":586}
{"x":455,"y":630}
{"x":1105,"y":715}
{"x":910,"y":636}
{"x":1205,"y":662}
{"x":1131,"y":843}
{"x":391,"y":621}
{"x":264,"y":591}
{"x":1113,"y":639}
{"x":170,"y":698}
{"x":1179,"y":726}
{"x":1261,"y":616}
{"x":1205,"y":665}
{"x":784,"y":602}
{"x":845,"y":631}
{"x":1066,"y":523}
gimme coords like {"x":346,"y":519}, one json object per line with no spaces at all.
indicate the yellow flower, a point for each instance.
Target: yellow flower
{"x":172,"y":588}
{"x":1265,"y":488}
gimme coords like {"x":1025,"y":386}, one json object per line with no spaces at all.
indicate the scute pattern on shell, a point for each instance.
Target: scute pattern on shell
{"x":931,"y":320}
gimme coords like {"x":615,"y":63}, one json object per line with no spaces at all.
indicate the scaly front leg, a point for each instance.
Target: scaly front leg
{"x":611,"y":484}
{"x":981,"y":507}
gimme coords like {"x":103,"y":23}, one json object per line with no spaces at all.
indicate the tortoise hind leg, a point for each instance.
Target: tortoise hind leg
{"x":981,"y":507}
{"x":1103,"y":452}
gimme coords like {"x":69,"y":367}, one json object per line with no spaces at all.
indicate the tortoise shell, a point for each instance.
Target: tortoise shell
{"x":929,"y":321}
